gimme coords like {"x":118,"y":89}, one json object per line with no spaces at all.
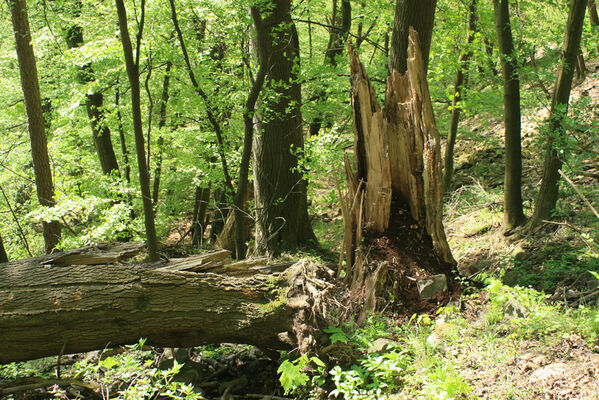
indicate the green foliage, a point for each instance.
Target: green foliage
{"x":293,"y":373}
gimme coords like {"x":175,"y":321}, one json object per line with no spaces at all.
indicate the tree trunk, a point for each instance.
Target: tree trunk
{"x":395,"y":197}
{"x":35,"y":118}
{"x":161,"y":125}
{"x":337,"y":38}
{"x":581,"y":68}
{"x":548,"y":193}
{"x":513,"y":215}
{"x":144,"y":177}
{"x":3,"y":255}
{"x":456,"y":107}
{"x":121,"y":129}
{"x":94,"y":101}
{"x":419,"y":14}
{"x":50,"y":309}
{"x":594,"y":18}
{"x":280,"y":190}
{"x":202,"y":198}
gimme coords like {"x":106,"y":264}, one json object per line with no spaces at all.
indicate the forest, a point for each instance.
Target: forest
{"x":299,"y":199}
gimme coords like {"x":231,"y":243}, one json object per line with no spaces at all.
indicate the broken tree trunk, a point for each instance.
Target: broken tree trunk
{"x":398,"y":176}
{"x":48,"y":309}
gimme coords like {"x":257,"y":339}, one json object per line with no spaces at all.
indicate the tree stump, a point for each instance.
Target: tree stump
{"x":395,"y":195}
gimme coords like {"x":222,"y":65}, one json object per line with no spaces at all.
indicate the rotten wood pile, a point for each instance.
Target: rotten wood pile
{"x":397,"y":161}
{"x":49,"y":308}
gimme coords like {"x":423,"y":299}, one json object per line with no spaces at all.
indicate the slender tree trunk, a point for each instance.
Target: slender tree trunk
{"x":581,"y":68}
{"x":594,"y":18}
{"x":210,"y":110}
{"x":548,"y":193}
{"x":337,"y":39}
{"x":457,"y":96}
{"x":160,"y":141}
{"x":202,"y":197}
{"x":144,"y":178}
{"x":419,"y":14}
{"x":124,"y":150}
{"x":35,"y":118}
{"x":513,"y":214}
{"x":248,"y":136}
{"x":94,"y":101}
{"x":3,"y":256}
{"x":279,"y":189}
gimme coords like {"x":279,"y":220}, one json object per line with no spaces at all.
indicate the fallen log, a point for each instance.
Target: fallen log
{"x":48,"y":310}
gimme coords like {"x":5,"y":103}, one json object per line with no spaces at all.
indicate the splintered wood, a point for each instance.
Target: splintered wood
{"x":397,"y":154}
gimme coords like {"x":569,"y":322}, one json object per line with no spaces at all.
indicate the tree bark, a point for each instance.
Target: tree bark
{"x":456,"y":107}
{"x":3,"y":255}
{"x":35,"y":118}
{"x":280,"y":190}
{"x":51,"y":309}
{"x":513,"y":214}
{"x":94,"y":100}
{"x":548,"y":193}
{"x":132,"y":67}
{"x":419,"y":14}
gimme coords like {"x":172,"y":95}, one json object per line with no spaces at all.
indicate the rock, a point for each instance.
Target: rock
{"x":380,"y":345}
{"x":514,"y":309}
{"x":551,"y":371}
{"x":432,"y":286}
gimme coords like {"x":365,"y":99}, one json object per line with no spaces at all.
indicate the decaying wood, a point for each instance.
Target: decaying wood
{"x":198,"y":263}
{"x":397,"y":155}
{"x":398,"y":151}
{"x":104,"y":253}
{"x":48,"y":309}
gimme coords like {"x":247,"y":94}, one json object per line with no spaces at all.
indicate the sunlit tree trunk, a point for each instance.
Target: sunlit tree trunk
{"x":144,"y":177}
{"x":457,"y":96}
{"x":513,"y":214}
{"x":35,"y":118}
{"x":548,"y":193}
{"x":161,"y":125}
{"x":419,"y":14}
{"x":280,"y":190}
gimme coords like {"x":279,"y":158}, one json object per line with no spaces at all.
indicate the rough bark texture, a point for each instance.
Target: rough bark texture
{"x":279,"y":189}
{"x":144,"y":177}
{"x":47,"y":310}
{"x":513,"y":214}
{"x":548,"y":193}
{"x":458,"y":89}
{"x":419,"y":14}
{"x":35,"y":118}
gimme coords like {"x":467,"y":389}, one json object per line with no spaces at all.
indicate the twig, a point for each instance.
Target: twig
{"x":580,"y":233}
{"x":25,"y":242}
{"x":579,"y":193}
{"x":46,"y":383}
{"x":585,"y":298}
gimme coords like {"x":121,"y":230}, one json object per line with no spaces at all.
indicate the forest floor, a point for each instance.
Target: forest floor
{"x":531,"y":333}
